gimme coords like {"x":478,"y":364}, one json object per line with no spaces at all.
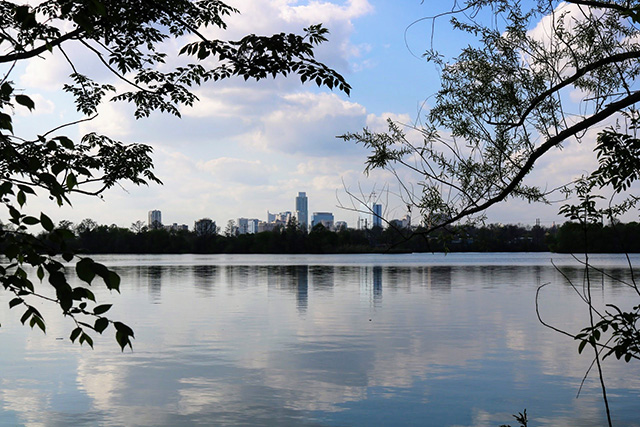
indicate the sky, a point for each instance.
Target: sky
{"x":247,"y":148}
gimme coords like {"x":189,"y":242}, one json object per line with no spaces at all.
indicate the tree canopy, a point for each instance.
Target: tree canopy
{"x":129,"y":38}
{"x":535,"y":75}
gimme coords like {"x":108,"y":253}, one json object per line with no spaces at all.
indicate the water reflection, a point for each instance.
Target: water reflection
{"x":435,"y":278}
{"x":205,"y":277}
{"x":154,"y":280}
{"x":322,"y":277}
{"x":302,"y":273}
{"x":312,"y":344}
{"x":377,"y":284}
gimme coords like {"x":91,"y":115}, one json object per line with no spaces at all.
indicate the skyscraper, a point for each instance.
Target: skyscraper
{"x":324,"y":218}
{"x":377,"y":215}
{"x":155,"y":219}
{"x":370,"y":215}
{"x":302,"y":210}
{"x":243,"y":226}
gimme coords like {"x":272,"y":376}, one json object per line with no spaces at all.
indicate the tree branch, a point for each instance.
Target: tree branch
{"x":613,"y":59}
{"x":597,"y":4}
{"x":38,"y":50}
{"x":606,"y":112}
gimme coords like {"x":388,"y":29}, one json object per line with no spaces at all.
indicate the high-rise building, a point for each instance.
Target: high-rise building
{"x":364,"y":217}
{"x":265,"y":226}
{"x":324,"y":218}
{"x":247,"y":226}
{"x":370,"y":216}
{"x":155,"y":219}
{"x":243,"y":226}
{"x":283,"y":218}
{"x":253,"y":226}
{"x":377,"y":215}
{"x":302,"y":210}
{"x":176,"y":227}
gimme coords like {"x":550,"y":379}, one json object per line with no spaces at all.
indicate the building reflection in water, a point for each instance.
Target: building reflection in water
{"x":154,"y":282}
{"x":302,"y":296}
{"x":370,"y":279}
{"x":437,"y":278}
{"x":289,"y":278}
{"x":239,"y":276}
{"x":322,"y":277}
{"x":205,"y":277}
{"x":303,"y":280}
{"x":377,"y":284}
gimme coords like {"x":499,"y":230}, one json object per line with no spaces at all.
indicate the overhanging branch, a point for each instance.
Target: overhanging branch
{"x":606,"y":112}
{"x":40,"y":49}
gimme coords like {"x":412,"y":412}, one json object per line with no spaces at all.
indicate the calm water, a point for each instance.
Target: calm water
{"x":367,"y":340}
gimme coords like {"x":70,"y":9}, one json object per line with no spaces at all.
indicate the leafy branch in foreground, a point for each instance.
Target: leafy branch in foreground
{"x":537,"y":75}
{"x":611,"y":330}
{"x":502,"y":105}
{"x":59,"y":168}
{"x":128,"y":39}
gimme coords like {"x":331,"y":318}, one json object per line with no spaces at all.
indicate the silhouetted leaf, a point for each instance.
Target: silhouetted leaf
{"x":84,"y":270}
{"x":26,"y":101}
{"x":101,"y":324}
{"x":46,"y":222}
{"x":101,"y":309}
{"x":75,"y":333}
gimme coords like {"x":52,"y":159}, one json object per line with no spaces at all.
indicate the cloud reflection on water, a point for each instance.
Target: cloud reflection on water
{"x":327,"y":344}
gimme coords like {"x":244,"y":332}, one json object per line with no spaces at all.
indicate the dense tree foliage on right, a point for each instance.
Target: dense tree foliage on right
{"x":511,"y":97}
{"x":535,"y":75}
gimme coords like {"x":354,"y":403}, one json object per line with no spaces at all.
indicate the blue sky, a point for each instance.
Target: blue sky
{"x":246,"y":148}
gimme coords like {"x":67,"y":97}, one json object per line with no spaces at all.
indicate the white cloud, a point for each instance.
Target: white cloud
{"x":46,"y":72}
{"x":323,"y":11}
{"x":267,"y":17}
{"x":319,"y":167}
{"x":214,"y":105}
{"x":252,"y":172}
{"x":366,"y":64}
{"x":379,"y":123}
{"x":567,"y":13}
{"x":112,"y":120}
{"x":308,"y":123}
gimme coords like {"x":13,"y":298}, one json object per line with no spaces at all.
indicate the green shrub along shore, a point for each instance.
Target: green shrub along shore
{"x":568,"y":238}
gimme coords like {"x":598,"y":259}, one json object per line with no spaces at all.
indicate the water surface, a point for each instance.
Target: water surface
{"x":417,"y":339}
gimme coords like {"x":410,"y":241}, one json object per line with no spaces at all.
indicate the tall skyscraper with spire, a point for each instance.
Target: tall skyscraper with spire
{"x":302,"y":210}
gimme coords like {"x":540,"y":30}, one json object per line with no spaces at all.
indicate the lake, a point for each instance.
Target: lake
{"x":335,"y":340}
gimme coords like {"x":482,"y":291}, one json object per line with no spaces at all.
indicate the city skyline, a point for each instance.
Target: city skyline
{"x":246,"y":146}
{"x":370,"y":215}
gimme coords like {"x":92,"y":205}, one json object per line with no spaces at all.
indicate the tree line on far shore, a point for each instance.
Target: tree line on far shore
{"x":90,"y":237}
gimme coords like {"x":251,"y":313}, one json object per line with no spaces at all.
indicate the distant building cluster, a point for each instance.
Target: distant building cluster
{"x":370,"y":216}
{"x":154,"y":222}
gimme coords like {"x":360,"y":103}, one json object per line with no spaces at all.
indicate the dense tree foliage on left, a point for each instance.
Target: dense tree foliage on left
{"x":127,"y":38}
